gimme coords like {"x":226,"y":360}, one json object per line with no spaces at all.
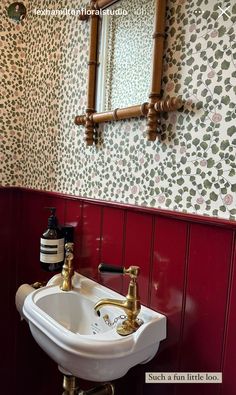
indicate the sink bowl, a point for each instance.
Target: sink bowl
{"x":66,"y":327}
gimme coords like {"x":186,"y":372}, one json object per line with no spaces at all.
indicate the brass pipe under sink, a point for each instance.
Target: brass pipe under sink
{"x":104,"y":389}
{"x":71,"y":387}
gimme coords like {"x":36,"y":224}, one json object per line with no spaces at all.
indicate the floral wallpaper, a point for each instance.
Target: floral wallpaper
{"x":191,"y":168}
{"x":12,"y":111}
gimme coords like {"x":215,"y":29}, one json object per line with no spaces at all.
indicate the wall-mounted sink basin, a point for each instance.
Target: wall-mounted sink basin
{"x":66,"y":327}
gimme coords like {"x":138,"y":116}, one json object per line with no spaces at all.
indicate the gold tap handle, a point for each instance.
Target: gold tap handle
{"x":69,"y":247}
{"x":133,"y":271}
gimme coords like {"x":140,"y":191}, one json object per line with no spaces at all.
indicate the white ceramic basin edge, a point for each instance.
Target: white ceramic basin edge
{"x":66,"y":327}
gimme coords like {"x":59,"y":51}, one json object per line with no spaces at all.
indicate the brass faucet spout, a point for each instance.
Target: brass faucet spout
{"x":109,"y":302}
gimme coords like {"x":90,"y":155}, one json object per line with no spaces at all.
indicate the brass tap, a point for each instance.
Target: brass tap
{"x":67,"y":268}
{"x":131,"y":305}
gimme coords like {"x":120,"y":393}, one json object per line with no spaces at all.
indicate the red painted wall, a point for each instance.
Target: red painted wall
{"x":187,"y":272}
{"x":8,"y":271}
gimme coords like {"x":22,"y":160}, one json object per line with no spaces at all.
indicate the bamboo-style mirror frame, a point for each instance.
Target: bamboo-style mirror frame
{"x":152,"y":109}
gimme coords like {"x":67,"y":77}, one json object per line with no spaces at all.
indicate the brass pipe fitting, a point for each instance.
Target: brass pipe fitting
{"x":70,"y":385}
{"x":67,"y":268}
{"x":105,"y":389}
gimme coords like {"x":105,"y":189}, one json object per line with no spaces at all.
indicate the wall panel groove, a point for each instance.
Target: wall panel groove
{"x":101,"y":236}
{"x":112,"y":245}
{"x":138,"y":248}
{"x":123,"y":249}
{"x":229,"y":296}
{"x":184,"y":293}
{"x":205,"y":304}
{"x":229,"y":352}
{"x":151,"y":262}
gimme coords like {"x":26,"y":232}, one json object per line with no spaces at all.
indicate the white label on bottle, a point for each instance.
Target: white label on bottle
{"x":52,"y":251}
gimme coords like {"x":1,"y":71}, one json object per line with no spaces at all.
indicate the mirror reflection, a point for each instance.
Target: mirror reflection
{"x":125,"y":54}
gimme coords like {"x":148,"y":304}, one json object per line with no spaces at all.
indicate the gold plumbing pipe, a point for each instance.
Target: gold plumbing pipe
{"x":104,"y":389}
{"x":71,"y":387}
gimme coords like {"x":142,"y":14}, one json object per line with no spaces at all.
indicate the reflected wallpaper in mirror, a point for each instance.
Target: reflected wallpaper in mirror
{"x":124,"y":72}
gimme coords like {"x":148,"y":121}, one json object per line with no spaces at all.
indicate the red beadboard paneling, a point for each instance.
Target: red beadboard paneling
{"x":90,"y":251}
{"x":174,"y":268}
{"x":138,"y":239}
{"x":36,"y":373}
{"x":8,"y":270}
{"x":167,"y":287}
{"x":209,"y":261}
{"x":15,"y":258}
{"x":5,"y":228}
{"x":112,"y":245}
{"x":229,"y":376}
{"x":73,"y":216}
{"x":29,"y":358}
{"x":167,"y":293}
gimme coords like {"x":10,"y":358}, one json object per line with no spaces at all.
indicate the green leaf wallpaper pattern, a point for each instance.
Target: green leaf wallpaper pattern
{"x":190,"y":169}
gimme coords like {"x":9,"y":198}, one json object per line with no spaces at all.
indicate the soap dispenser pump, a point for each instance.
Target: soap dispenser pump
{"x":52,"y":245}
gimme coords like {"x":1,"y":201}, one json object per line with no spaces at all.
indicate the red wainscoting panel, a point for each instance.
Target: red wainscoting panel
{"x":137,"y":251}
{"x":229,"y":368}
{"x":167,"y":294}
{"x":186,"y":273}
{"x":8,"y":270}
{"x":167,"y":287}
{"x":36,"y":373}
{"x":33,"y":368}
{"x":91,"y":240}
{"x":112,"y":245}
{"x":73,"y":216}
{"x":138,"y":242}
{"x":205,"y":311}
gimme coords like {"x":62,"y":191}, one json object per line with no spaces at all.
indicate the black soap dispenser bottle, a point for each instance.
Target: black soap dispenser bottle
{"x":52,"y":245}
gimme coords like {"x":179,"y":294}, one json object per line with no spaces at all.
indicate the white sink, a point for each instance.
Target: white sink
{"x":66,"y":327}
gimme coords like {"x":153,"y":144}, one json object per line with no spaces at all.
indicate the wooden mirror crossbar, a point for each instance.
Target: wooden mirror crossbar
{"x":151,"y":109}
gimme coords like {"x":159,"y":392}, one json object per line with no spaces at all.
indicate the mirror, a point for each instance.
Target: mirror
{"x":110,"y":95}
{"x":125,"y":54}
